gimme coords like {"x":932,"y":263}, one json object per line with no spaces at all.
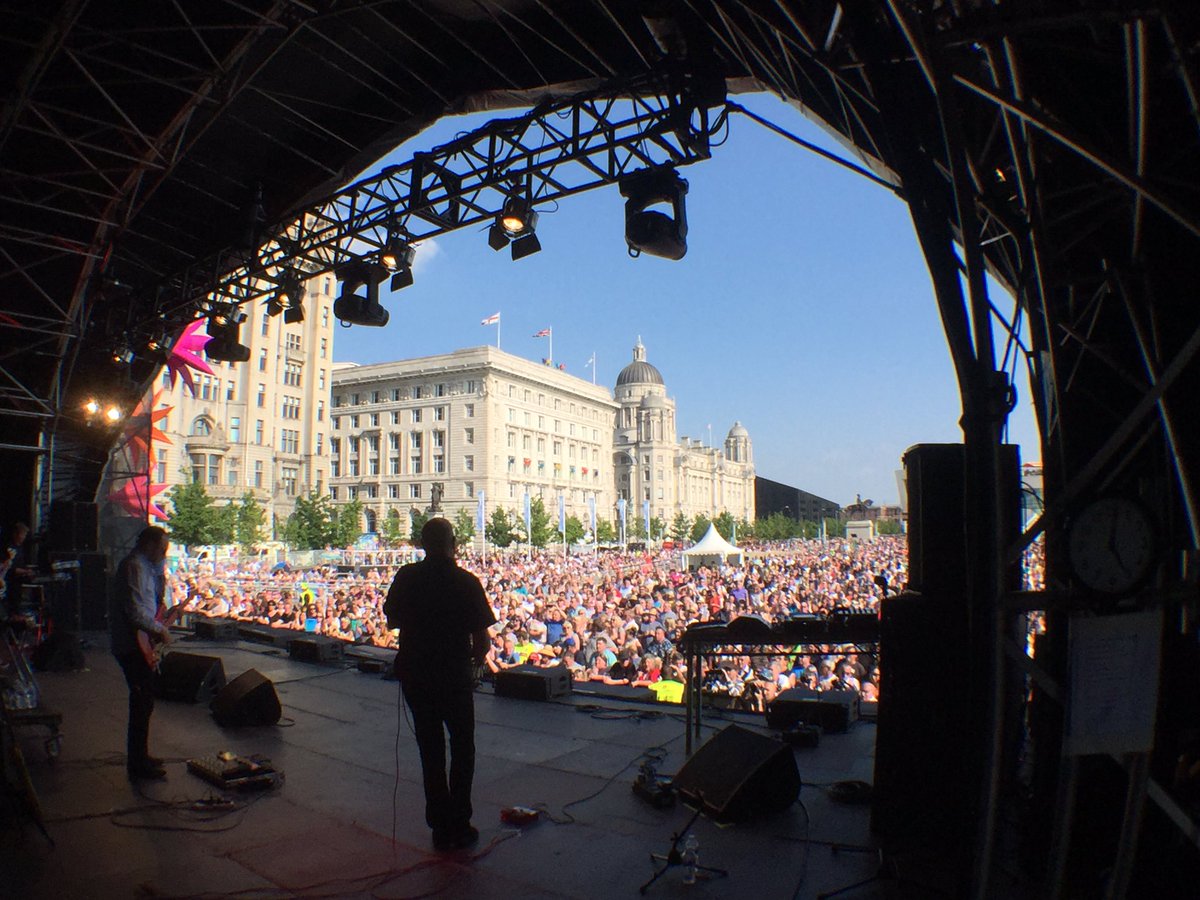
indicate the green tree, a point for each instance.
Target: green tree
{"x":658,"y":528}
{"x":699,"y":527}
{"x":224,"y":524}
{"x":575,"y":530}
{"x":724,"y":523}
{"x":499,"y":529}
{"x":541,"y":530}
{"x":251,"y":522}
{"x":312,"y":524}
{"x":635,"y":528}
{"x":834,"y":527}
{"x":888,"y":526}
{"x":464,"y":526}
{"x":348,"y":523}
{"x":192,"y":520}
{"x":809,"y":530}
{"x":392,"y":531}
{"x":417,"y":519}
{"x":745,"y":530}
{"x":606,"y":532}
{"x":680,"y":528}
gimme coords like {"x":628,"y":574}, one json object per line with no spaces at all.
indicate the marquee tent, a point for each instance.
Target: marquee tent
{"x":711,"y":550}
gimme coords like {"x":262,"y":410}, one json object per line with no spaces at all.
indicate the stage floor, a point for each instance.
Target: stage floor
{"x":352,"y":778}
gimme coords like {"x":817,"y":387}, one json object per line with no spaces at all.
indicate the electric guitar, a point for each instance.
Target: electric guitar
{"x":152,"y":651}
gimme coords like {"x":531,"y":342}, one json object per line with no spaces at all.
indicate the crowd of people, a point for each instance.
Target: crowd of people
{"x":615,"y":618}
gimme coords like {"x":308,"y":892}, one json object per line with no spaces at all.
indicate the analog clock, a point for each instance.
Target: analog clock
{"x":1111,"y":545}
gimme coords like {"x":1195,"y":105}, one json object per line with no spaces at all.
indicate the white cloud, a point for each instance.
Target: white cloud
{"x":427,"y":252}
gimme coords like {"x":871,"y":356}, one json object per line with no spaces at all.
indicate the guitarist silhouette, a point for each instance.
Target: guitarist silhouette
{"x":134,"y":613}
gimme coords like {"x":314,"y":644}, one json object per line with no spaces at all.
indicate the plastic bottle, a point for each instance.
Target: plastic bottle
{"x":691,"y":859}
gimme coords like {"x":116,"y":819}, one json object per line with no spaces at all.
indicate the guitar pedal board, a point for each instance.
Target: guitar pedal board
{"x":231,"y":772}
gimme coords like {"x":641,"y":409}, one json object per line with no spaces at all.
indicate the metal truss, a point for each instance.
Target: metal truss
{"x":556,"y":150}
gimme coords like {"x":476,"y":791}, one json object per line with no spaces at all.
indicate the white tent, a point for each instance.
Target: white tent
{"x":711,"y":550}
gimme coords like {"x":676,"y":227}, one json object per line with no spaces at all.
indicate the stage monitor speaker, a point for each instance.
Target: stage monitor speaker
{"x":316,"y":649}
{"x":74,"y":525}
{"x":533,"y":682}
{"x":249,"y":699}
{"x":210,"y":629}
{"x":740,"y":775}
{"x":832,"y":710}
{"x":190,"y":678}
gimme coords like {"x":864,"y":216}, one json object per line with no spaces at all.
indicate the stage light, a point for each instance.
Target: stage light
{"x":352,"y":308}
{"x":224,"y":328}
{"x":113,"y":414}
{"x":497,"y":239}
{"x":91,"y":407}
{"x":122,"y":355}
{"x":398,"y":256}
{"x":518,"y":217}
{"x":650,"y":230}
{"x":275,"y":304}
{"x":294,"y":314}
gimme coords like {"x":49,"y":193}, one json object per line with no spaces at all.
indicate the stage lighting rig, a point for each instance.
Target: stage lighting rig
{"x":398,"y":256}
{"x":517,"y":222}
{"x":352,"y":308}
{"x":650,"y":230}
{"x":224,"y":329}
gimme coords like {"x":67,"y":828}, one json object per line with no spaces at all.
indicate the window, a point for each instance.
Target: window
{"x":324,"y":316}
{"x":324,"y":347}
{"x":258,"y":473}
{"x":320,"y":445}
{"x":395,"y":417}
{"x":336,"y":422}
{"x":571,"y":429}
{"x":160,"y":474}
{"x":526,"y":442}
{"x":333,"y":493}
{"x":528,"y":420}
{"x":235,"y":429}
{"x":439,"y":390}
{"x":512,"y":439}
{"x":321,"y":377}
{"x":262,"y":360}
{"x":541,"y":445}
{"x":353,"y":466}
{"x":541,"y":423}
{"x":292,"y":342}
{"x":166,"y":379}
{"x":414,"y":492}
{"x":469,"y":435}
{"x":395,"y":394}
{"x":373,"y":465}
{"x":376,"y":396}
{"x":205,"y":387}
{"x":351,"y":493}
{"x":393,"y":492}
{"x":214,"y":469}
{"x":439,"y":439}
{"x":291,"y":374}
{"x":262,"y":395}
{"x":352,"y":443}
{"x":512,"y":390}
{"x":395,"y":465}
{"x":439,"y":414}
{"x":394,"y":441}
{"x":469,"y":487}
{"x":231,"y":474}
{"x":258,"y":431}
{"x":469,"y":410}
{"x":289,"y":441}
{"x":201,"y":427}
{"x":320,"y":410}
{"x":558,"y":448}
{"x":541,"y":399}
{"x":414,"y":467}
{"x":354,"y":399}
{"x":335,"y":446}
{"x":416,"y":417}
{"x":439,"y":464}
{"x":335,"y":467}
{"x":472,"y":386}
{"x":468,"y":463}
{"x":230,"y":391}
{"x":374,"y":417}
{"x":512,"y":464}
{"x":266,"y":324}
{"x":289,"y":408}
{"x":372,"y":491}
{"x":415,"y":392}
{"x":414,"y":440}
{"x":512,"y":415}
{"x":354,"y":421}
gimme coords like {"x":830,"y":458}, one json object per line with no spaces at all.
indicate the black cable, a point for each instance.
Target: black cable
{"x":655,"y":754}
{"x":804,"y":862}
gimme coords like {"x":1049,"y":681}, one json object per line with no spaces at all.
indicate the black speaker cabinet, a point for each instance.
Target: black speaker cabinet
{"x":832,"y":710}
{"x":534,"y":682}
{"x":190,"y":678}
{"x":215,"y":629}
{"x":74,"y":525}
{"x":315,"y":649}
{"x":249,"y":699}
{"x":740,"y":775}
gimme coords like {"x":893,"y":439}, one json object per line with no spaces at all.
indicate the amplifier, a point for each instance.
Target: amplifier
{"x":315,"y":649}
{"x":533,"y":682}
{"x":832,"y":710}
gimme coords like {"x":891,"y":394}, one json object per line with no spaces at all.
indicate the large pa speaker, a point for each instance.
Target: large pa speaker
{"x":740,"y":775}
{"x":534,"y":682}
{"x":74,"y":525}
{"x":249,"y":699}
{"x":190,"y":678}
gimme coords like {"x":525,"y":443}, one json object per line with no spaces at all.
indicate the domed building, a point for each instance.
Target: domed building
{"x":652,"y":465}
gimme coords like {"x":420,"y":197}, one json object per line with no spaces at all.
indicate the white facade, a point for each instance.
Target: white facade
{"x":484,"y":420}
{"x":675,"y":476}
{"x":474,"y":420}
{"x":261,"y":425}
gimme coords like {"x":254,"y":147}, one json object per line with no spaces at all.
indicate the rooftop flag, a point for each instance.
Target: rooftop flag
{"x":493,"y":319}
{"x":545,"y":332}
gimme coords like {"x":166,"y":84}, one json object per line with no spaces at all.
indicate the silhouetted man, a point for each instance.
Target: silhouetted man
{"x":138,"y":594}
{"x":443,"y":618}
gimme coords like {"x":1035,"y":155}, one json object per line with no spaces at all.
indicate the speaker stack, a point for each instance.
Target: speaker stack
{"x":250,"y":699}
{"x":740,"y":775}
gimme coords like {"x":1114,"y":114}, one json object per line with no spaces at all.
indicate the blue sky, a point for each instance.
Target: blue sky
{"x":803,"y":308}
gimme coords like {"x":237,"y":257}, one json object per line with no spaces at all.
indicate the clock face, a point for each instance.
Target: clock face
{"x":1111,"y":545}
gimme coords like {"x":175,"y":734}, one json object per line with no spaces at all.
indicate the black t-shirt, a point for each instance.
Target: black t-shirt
{"x":437,"y":606}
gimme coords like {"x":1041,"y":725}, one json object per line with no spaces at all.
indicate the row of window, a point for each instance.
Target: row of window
{"x":371,"y":466}
{"x":415,"y":417}
{"x":414,"y":392}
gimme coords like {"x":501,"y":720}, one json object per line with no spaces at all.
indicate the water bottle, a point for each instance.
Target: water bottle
{"x":691,"y":858}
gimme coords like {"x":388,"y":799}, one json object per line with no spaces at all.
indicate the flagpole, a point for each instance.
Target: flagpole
{"x":551,"y":336}
{"x":497,"y":331}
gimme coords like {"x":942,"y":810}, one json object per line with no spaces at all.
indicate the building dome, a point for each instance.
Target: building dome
{"x":639,"y":371}
{"x":738,"y":431}
{"x":655,"y":401}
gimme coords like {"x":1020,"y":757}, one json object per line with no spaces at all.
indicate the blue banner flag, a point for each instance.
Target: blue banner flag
{"x":527,"y":511}
{"x":592,"y":514}
{"x":562,"y":514}
{"x":646,"y":516}
{"x":480,"y":514}
{"x":621,"y":511}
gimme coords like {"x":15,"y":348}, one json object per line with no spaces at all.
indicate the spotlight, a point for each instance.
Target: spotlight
{"x":497,"y":239}
{"x":516,"y":222}
{"x":113,"y":414}
{"x":275,"y":304}
{"x":122,"y":355}
{"x":353,"y":308}
{"x":91,"y":407}
{"x":294,"y":314}
{"x":398,"y":256}
{"x":525,"y":246}
{"x":649,"y":230}
{"x":224,"y":329}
